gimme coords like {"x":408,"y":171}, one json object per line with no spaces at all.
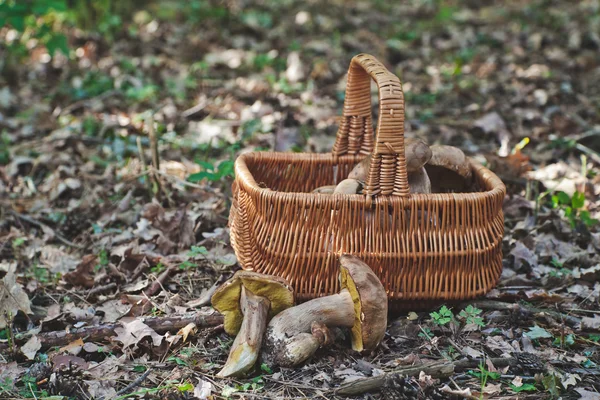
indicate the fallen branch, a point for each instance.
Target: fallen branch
{"x":102,"y":332}
{"x":101,"y":289}
{"x":375,"y":383}
{"x":441,"y":369}
{"x":501,"y":306}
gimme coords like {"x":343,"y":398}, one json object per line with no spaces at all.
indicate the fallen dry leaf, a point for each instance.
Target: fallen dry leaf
{"x":134,"y":331}
{"x":187,"y":330}
{"x":31,"y":348}
{"x":591,"y":322}
{"x":203,"y":389}
{"x":12,"y":297}
{"x":73,"y":348}
{"x":101,"y":389}
{"x":84,"y":273}
{"x":587,"y":395}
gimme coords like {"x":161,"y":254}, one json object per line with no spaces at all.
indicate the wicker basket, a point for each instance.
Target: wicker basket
{"x":423,"y":247}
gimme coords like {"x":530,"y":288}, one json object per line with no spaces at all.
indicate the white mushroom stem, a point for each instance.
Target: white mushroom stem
{"x":246,"y":346}
{"x":418,"y":181}
{"x":288,"y":342}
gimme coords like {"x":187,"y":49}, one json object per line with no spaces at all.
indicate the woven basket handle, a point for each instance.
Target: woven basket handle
{"x":387,"y":172}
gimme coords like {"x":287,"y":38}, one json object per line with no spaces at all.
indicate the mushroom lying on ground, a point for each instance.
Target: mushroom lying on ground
{"x":416,"y":152}
{"x":247,"y":301}
{"x":361,"y":305}
{"x":449,"y":169}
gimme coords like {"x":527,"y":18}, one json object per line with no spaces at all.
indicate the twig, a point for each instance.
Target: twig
{"x":138,"y":381}
{"x":501,"y":306}
{"x":101,"y":332}
{"x":193,"y":110}
{"x":436,"y":370}
{"x":39,"y":224}
{"x":157,"y":285}
{"x":81,"y":103}
{"x":143,"y":162}
{"x":440,"y":369}
{"x":154,"y":153}
{"x":101,"y":289}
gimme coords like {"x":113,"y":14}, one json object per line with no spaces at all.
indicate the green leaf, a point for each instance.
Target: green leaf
{"x":228,"y":391}
{"x":578,"y":200}
{"x":57,"y":41}
{"x":443,"y":316}
{"x":563,"y":198}
{"x":198,"y":176}
{"x":186,"y":387}
{"x":537,"y":333}
{"x":265,"y":368}
{"x":526,"y":387}
{"x":197,"y":251}
{"x":552,"y":385}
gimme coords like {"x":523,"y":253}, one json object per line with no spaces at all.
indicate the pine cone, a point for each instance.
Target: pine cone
{"x":529,"y":362}
{"x":399,"y":387}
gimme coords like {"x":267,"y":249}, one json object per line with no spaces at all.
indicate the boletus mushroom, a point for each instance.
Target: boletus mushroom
{"x":348,"y":186}
{"x":328,"y":189}
{"x":449,"y":169}
{"x":297,"y":332}
{"x":247,"y":301}
{"x":416,"y":152}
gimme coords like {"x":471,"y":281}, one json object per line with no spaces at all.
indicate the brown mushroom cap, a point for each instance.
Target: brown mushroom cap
{"x":370,"y":302}
{"x":226,"y":298}
{"x":416,"y":152}
{"x":449,"y":169}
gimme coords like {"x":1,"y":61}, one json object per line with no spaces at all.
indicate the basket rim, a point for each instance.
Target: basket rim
{"x":493,"y":184}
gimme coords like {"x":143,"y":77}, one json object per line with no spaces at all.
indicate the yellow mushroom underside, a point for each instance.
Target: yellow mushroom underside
{"x":227,"y":302}
{"x":356,"y":331}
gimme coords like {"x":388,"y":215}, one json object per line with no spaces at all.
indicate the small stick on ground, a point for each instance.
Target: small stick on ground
{"x":501,"y":306}
{"x":158,"y":284}
{"x":439,"y":369}
{"x":101,"y":289}
{"x":155,"y":155}
{"x":143,"y":162}
{"x":102,"y":332}
{"x":137,"y":382}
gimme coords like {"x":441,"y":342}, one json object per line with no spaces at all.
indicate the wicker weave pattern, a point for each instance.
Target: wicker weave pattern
{"x":423,"y":247}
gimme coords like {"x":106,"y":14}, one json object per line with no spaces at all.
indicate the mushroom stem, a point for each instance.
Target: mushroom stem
{"x":246,"y":346}
{"x":300,"y":347}
{"x":288,"y":340}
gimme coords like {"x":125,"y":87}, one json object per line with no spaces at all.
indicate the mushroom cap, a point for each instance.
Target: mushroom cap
{"x":449,"y":169}
{"x":226,"y":298}
{"x":325,"y":189}
{"x":370,"y":302}
{"x":348,"y":186}
{"x":416,"y":152}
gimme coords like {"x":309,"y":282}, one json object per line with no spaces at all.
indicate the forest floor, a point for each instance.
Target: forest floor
{"x":116,"y":167}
